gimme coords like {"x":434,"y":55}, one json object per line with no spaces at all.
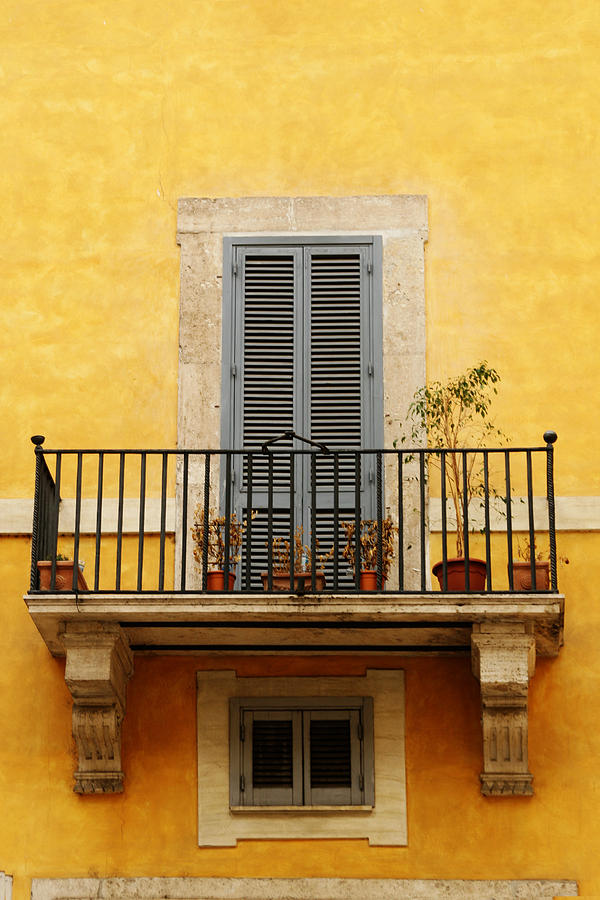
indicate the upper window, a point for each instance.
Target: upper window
{"x":302,"y":338}
{"x":210,"y":292}
{"x":301,"y":752}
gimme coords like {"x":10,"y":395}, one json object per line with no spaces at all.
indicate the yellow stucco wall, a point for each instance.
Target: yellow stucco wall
{"x":150,"y":829}
{"x":113,"y":111}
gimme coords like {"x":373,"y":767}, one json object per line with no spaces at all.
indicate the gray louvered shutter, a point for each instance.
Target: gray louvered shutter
{"x":268,"y":348}
{"x":272,"y":758}
{"x":337,"y":291}
{"x":302,"y":348}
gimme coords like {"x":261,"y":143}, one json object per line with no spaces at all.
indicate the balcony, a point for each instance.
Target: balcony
{"x":136,"y":517}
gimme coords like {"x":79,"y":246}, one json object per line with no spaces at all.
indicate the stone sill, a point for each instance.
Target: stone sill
{"x":300,"y":809}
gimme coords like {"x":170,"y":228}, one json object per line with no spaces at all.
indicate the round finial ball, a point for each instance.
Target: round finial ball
{"x":550,"y":436}
{"x":38,"y":439}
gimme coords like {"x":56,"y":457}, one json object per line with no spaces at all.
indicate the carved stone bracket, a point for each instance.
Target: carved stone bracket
{"x":503,"y":659}
{"x":99,"y":665}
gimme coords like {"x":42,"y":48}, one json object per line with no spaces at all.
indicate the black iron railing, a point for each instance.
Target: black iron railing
{"x":138,"y":517}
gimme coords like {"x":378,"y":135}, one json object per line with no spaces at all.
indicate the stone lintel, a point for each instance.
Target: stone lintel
{"x":504,"y":661}
{"x":99,"y":665}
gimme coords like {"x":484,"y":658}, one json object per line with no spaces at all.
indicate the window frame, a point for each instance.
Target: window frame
{"x":301,"y":796}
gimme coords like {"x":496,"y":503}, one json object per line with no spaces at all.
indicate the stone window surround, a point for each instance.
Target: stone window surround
{"x":203,"y":223}
{"x":384,"y":824}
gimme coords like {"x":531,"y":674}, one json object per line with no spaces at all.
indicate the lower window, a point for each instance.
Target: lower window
{"x":301,"y":751}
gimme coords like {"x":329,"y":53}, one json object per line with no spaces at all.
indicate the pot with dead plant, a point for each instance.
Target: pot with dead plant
{"x":526,"y":577}
{"x":369,"y":548}
{"x":209,"y":534}
{"x":281,"y":578}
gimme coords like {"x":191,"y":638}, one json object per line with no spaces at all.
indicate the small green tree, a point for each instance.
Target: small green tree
{"x":454,"y":415}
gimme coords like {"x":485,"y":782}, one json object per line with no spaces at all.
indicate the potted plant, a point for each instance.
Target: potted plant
{"x":63,"y":580}
{"x":368,"y":541}
{"x":280,"y":577}
{"x":455,"y":415}
{"x":215,"y":528}
{"x":521,"y":568}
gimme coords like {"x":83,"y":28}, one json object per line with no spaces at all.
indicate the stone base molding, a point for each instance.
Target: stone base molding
{"x":503,"y":661}
{"x":5,"y":886}
{"x":99,"y":665}
{"x":298,"y":889}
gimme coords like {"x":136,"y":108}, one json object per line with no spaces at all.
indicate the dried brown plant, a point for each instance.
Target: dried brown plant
{"x":216,"y":537}
{"x":368,"y":545}
{"x":302,"y":554}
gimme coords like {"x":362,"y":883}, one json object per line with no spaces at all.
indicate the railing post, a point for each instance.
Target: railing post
{"x":550,"y":437}
{"x":38,"y":440}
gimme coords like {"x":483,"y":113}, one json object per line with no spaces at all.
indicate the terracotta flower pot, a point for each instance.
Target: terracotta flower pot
{"x":215,"y":580}
{"x":302,"y":581}
{"x":368,"y":580}
{"x":522,"y":580}
{"x":456,"y":574}
{"x":64,"y":575}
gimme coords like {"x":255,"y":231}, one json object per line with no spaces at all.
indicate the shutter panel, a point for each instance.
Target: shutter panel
{"x":335,"y":348}
{"x":269,"y":328}
{"x":332,"y":757}
{"x":272,"y":757}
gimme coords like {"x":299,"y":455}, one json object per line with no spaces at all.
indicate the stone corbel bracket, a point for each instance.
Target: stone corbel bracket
{"x":503,"y":658}
{"x":99,"y":665}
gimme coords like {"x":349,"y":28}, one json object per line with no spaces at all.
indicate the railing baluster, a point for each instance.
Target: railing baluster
{"x":98,"y":520}
{"x":466,"y":521}
{"x":400,"y":522}
{"x":357,"y":477}
{"x":120,"y":521}
{"x":37,"y":440}
{"x":206,"y":514}
{"x":184,"y":519}
{"x":55,"y":518}
{"x":227,"y":537}
{"x":532,"y":555}
{"x":313,"y":521}
{"x":550,"y":438}
{"x":486,"y":507}
{"x":163,"y":521}
{"x":248,"y":551}
{"x":444,"y":522}
{"x":270,"y":524}
{"x":292,"y":520}
{"x":422,"y":518}
{"x":508,"y":492}
{"x":379,"y":493}
{"x":336,"y":519}
{"x":77,"y":519}
{"x":140,"y":570}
